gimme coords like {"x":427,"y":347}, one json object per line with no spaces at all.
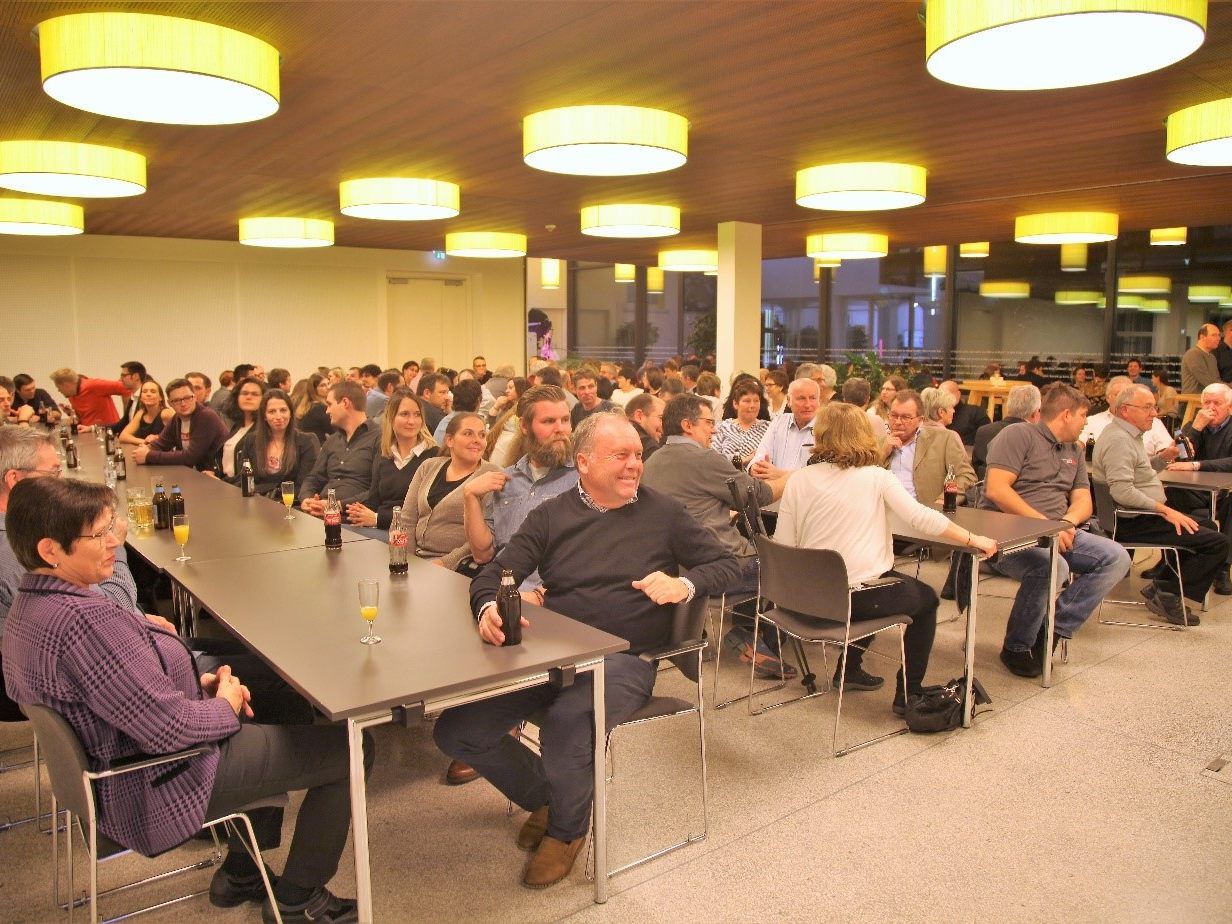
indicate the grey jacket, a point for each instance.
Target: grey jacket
{"x":1120,"y":461}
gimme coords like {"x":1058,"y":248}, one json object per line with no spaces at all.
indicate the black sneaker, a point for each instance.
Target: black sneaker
{"x":1156,"y":571}
{"x":1223,"y":584}
{"x":322,"y":906}
{"x":1168,"y":608}
{"x":859,"y":679}
{"x":227,"y":891}
{"x":1038,"y":648}
{"x":899,"y":706}
{"x":1022,"y":663}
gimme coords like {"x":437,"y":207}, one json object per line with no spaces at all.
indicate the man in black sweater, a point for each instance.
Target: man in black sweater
{"x":629,"y":594}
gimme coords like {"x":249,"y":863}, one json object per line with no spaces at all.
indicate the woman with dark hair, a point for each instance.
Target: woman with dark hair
{"x":775,"y":388}
{"x":739,"y":436}
{"x":310,"y":410}
{"x":277,"y":450}
{"x":729,"y":403}
{"x":129,"y":689}
{"x":241,"y":412}
{"x":149,"y":417}
{"x":405,"y":445}
{"x":25,"y":392}
{"x":505,"y":436}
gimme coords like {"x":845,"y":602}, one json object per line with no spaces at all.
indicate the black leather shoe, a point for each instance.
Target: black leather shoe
{"x":322,"y":906}
{"x":227,"y":891}
{"x":1156,"y":571}
{"x":1022,"y":663}
{"x":859,"y":679}
{"x":1223,"y":584}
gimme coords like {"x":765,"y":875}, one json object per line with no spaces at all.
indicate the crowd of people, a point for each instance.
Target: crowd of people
{"x":486,"y":470}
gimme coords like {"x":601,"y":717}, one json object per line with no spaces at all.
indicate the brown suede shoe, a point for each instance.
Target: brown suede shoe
{"x":551,"y":862}
{"x":532,"y":829}
{"x":459,"y":773}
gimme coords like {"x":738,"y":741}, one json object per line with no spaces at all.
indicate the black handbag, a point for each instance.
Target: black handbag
{"x":940,"y":708}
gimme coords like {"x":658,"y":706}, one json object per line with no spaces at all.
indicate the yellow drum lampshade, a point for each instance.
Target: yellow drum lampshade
{"x":935,"y":260}
{"x":549,"y":274}
{"x":861,"y":187}
{"x":630,"y":220}
{"x":625,"y":272}
{"x":69,"y":168}
{"x":1169,"y":237}
{"x":1144,"y":285}
{"x":399,"y":198}
{"x":847,"y":246}
{"x":40,"y":217}
{"x":260,"y":231}
{"x":605,"y":140}
{"x":1065,"y":228}
{"x":1203,"y":294}
{"x":1073,"y":258}
{"x":1005,"y":288}
{"x":154,"y":68}
{"x":974,"y":250}
{"x":654,"y":280}
{"x":825,"y":263}
{"x":1128,"y":302}
{"x":1078,"y":297}
{"x":1045,"y":44}
{"x":1155,"y":306}
{"x":1202,"y":135}
{"x":689,"y":261}
{"x":488,"y":245}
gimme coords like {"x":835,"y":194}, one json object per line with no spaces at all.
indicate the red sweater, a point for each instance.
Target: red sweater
{"x":93,"y":402}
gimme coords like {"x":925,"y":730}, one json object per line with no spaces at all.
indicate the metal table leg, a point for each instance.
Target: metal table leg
{"x":969,"y":666}
{"x":1051,"y":618}
{"x":359,"y":813}
{"x":600,"y":799}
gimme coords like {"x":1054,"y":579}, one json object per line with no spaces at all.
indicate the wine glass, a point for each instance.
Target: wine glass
{"x":369,"y":595}
{"x":179,"y":526}
{"x":288,"y":498}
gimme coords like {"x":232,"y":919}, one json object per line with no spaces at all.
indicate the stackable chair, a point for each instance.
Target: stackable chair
{"x":72,"y":787}
{"x":10,"y":712}
{"x":812,"y":603}
{"x":1110,"y":516}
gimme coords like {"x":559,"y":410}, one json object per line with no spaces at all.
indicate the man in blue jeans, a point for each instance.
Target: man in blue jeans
{"x":1038,"y":470}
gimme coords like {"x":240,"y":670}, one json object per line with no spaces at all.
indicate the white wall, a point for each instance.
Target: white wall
{"x":93,"y":302}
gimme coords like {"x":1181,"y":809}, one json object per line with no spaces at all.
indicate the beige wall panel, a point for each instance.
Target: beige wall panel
{"x":36,"y":312}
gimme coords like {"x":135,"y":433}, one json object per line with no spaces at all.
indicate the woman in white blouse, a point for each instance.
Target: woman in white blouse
{"x":842,"y":501}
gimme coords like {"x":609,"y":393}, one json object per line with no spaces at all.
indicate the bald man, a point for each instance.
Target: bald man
{"x":1199,"y":367}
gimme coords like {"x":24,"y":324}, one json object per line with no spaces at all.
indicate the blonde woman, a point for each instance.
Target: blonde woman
{"x":890,"y":388}
{"x":937,"y":407}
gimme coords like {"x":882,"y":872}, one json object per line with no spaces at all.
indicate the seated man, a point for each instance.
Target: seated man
{"x":433,"y":393}
{"x":1038,"y":470}
{"x":345,"y":460}
{"x":467,"y":395}
{"x":378,"y":396}
{"x":629,"y":594}
{"x":645,"y":412}
{"x":1022,"y":404}
{"x":1160,"y":447}
{"x":91,"y":399}
{"x":788,"y":442}
{"x":193,"y":438}
{"x":586,"y":388}
{"x":920,"y":456}
{"x":27,"y":394}
{"x":1120,"y":461}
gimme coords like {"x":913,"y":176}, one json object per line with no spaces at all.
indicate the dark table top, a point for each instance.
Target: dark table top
{"x":1009,"y":531}
{"x":1201,"y":481}
{"x":299,"y":610}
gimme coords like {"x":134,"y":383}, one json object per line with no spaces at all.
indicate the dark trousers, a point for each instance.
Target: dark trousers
{"x":563,"y":777}
{"x":910,"y":597}
{"x":265,"y":760}
{"x":1203,"y":553}
{"x":1198,"y":505}
{"x":274,"y":701}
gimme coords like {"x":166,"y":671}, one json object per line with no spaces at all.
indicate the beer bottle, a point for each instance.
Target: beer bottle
{"x":70,"y":453}
{"x":121,"y":465}
{"x":248,"y":480}
{"x":333,"y":522}
{"x":73,"y":424}
{"x":509,"y":606}
{"x":177,"y":501}
{"x":950,"y":503}
{"x":108,"y":441}
{"x":162,"y":507}
{"x":397,"y":544}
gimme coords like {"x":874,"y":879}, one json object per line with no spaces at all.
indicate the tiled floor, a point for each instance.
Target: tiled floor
{"x":1085,"y":802}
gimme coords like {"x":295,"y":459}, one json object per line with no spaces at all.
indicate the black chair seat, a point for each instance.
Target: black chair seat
{"x":814,"y":629}
{"x":660,"y":707}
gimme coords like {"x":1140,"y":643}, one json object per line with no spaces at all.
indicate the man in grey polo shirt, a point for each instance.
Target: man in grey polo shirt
{"x":1037,"y":470}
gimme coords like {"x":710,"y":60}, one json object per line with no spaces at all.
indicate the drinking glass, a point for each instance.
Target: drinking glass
{"x":288,"y":498}
{"x":179,"y":525}
{"x":369,"y":595}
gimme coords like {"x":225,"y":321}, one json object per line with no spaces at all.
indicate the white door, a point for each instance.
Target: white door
{"x":429,"y":317}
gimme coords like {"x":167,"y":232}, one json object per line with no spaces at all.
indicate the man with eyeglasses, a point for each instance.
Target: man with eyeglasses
{"x":194,"y":438}
{"x":1160,"y":447}
{"x":919,"y":455}
{"x":1121,"y":462}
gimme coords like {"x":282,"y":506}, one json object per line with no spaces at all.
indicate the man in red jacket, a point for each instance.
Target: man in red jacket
{"x":91,"y":398}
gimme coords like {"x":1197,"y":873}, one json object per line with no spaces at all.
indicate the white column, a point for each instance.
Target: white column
{"x":738,"y":344}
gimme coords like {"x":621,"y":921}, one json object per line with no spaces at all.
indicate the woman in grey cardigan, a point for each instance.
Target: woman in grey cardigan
{"x":432,"y":510}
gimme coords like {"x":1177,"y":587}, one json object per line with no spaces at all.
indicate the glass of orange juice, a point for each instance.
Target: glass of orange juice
{"x":179,"y":526}
{"x":369,"y":597}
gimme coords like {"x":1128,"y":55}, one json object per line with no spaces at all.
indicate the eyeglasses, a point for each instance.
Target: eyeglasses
{"x":904,"y":417}
{"x":181,"y":400}
{"x":102,"y":534}
{"x":53,"y":472}
{"x":709,"y":420}
{"x":1143,"y":407}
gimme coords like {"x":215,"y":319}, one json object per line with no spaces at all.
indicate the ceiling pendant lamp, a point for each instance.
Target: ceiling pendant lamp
{"x":286,"y":232}
{"x":69,"y":168}
{"x":40,"y":218}
{"x":1046,"y":44}
{"x":654,"y":280}
{"x":158,"y":68}
{"x":1202,"y":135}
{"x":976,"y":250}
{"x":625,"y":272}
{"x":847,"y":246}
{"x":935,"y":260}
{"x":488,"y":245}
{"x":1155,"y":306}
{"x":1005,"y":288}
{"x":549,"y":274}
{"x":1226,"y":302}
{"x":1073,"y":258}
{"x":1065,"y":228}
{"x":1128,"y":302}
{"x":1169,"y":237}
{"x":399,"y":198}
{"x":1144,"y":285}
{"x":1206,"y":293}
{"x":825,"y":263}
{"x":1078,"y":297}
{"x":861,"y":187}
{"x":630,"y":220}
{"x":605,"y":140}
{"x":689,"y":261}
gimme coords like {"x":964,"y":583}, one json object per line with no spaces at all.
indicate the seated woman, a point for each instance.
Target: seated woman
{"x":25,"y":392}
{"x":776,"y":391}
{"x":937,"y":408}
{"x":241,"y":413}
{"x":842,"y":501}
{"x":741,"y":435}
{"x":310,"y":409}
{"x":405,"y":445}
{"x":128,"y":688}
{"x":890,"y":388}
{"x":433,"y":506}
{"x":504,"y":436}
{"x":1166,"y":400}
{"x":152,"y":416}
{"x":277,"y":449}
